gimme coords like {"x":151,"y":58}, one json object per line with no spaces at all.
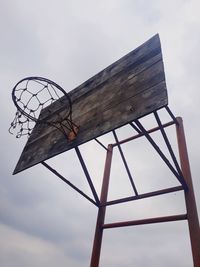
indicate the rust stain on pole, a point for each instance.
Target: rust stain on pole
{"x":102,"y":211}
{"x":192,"y":215}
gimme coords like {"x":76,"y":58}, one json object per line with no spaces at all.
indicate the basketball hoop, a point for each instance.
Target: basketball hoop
{"x":32,"y":95}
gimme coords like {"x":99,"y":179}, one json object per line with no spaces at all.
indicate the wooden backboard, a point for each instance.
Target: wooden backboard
{"x":130,"y":88}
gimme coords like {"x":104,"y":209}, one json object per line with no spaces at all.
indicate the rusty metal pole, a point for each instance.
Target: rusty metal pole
{"x":192,"y":215}
{"x":102,"y":210}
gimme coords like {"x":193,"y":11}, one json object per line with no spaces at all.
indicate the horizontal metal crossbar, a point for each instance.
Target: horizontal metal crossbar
{"x":142,"y":134}
{"x":146,"y":221}
{"x":145,"y":195}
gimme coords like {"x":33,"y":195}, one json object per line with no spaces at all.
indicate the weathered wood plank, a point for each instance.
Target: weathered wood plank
{"x":130,"y":88}
{"x":116,"y":90}
{"x":142,"y":53}
{"x":133,"y":108}
{"x":135,"y":59}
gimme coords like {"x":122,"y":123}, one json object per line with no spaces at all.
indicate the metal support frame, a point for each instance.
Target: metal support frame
{"x":182,"y":173}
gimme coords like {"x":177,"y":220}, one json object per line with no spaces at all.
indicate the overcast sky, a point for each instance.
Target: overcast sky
{"x":42,"y":221}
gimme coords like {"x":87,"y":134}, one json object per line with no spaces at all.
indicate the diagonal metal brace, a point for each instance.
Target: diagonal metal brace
{"x":87,"y":175}
{"x":68,"y":182}
{"x":168,"y":144}
{"x":156,"y":147}
{"x":125,"y":163}
{"x":100,"y":143}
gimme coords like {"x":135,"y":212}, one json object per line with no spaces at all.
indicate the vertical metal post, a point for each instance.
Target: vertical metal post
{"x":192,"y":214}
{"x":101,"y":212}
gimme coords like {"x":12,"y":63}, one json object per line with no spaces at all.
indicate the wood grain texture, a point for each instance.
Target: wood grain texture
{"x":130,"y":88}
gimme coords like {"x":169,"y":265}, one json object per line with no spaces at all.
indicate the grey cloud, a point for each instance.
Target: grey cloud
{"x":69,"y":42}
